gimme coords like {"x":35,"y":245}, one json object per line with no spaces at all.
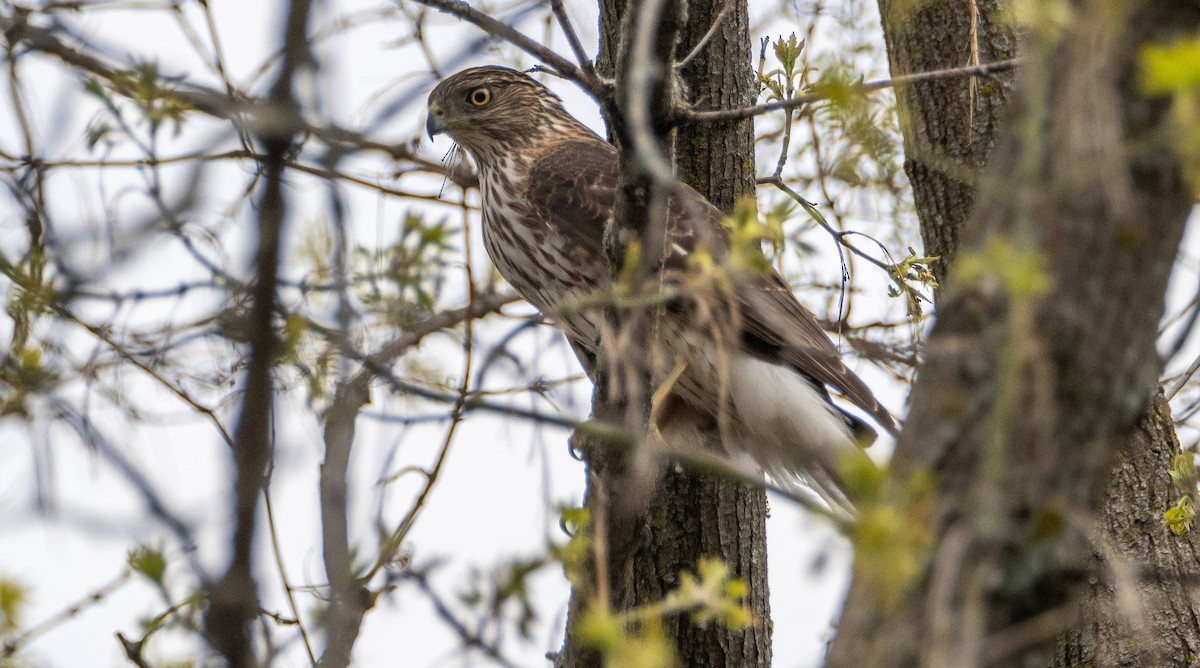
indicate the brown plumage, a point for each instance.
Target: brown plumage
{"x":548,"y":186}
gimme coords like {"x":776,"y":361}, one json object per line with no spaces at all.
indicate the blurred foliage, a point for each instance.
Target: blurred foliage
{"x":23,"y":367}
{"x":149,"y":563}
{"x":574,"y":554}
{"x":1020,"y":273}
{"x":503,"y":595}
{"x":894,"y":533}
{"x":413,"y":271}
{"x":1174,"y":70}
{"x":13,"y":596}
{"x":635,"y":637}
{"x":871,"y":153}
{"x":748,"y":230}
{"x":1184,"y":476}
{"x":140,"y":95}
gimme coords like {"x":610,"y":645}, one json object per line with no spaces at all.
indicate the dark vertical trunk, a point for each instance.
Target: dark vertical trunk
{"x":694,"y":515}
{"x":1024,"y":410}
{"x":1145,"y":611}
{"x":950,"y":125}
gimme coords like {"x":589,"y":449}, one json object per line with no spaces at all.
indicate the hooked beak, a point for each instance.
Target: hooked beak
{"x":435,"y":122}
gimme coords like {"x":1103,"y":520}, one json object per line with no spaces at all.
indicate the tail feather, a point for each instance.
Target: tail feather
{"x":864,"y":434}
{"x":794,"y":433}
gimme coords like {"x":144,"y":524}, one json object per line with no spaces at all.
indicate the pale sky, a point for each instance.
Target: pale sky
{"x":504,"y":479}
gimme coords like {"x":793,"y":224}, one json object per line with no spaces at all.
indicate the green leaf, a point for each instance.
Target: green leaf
{"x":148,"y":562}
{"x":788,"y":51}
{"x":1171,"y":68}
{"x":747,"y":232}
{"x":13,"y":597}
{"x":1183,"y":473}
{"x":601,"y":629}
{"x":1179,"y":518}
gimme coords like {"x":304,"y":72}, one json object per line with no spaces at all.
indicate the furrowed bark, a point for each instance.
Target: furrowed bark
{"x":949,"y":126}
{"x":1144,"y":610}
{"x":1030,"y":413}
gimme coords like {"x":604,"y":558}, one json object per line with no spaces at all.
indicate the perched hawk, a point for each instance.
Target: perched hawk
{"x":548,"y":184}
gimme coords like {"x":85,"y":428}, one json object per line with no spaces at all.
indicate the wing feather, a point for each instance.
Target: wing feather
{"x":777,"y":328}
{"x":573,"y":188}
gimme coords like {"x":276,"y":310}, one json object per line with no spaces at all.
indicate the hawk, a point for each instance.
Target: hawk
{"x":756,"y":361}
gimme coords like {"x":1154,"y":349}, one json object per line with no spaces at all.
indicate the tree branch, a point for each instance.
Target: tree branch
{"x":564,"y":22}
{"x":491,"y":26}
{"x":241,"y":111}
{"x":817,"y":95}
{"x":234,"y":600}
{"x":350,"y":596}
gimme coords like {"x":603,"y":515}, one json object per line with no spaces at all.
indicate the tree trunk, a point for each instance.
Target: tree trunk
{"x":1144,"y":611}
{"x":949,"y":126}
{"x":1024,"y":411}
{"x":692,"y":515}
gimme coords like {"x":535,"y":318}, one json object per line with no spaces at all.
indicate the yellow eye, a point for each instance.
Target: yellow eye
{"x":480,"y":97}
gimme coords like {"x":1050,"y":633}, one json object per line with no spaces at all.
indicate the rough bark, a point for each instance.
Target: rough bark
{"x":692,"y":515}
{"x":1025,"y":411}
{"x":949,"y":126}
{"x":1145,"y":610}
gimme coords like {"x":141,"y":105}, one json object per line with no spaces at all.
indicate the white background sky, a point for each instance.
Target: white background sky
{"x":497,"y":498}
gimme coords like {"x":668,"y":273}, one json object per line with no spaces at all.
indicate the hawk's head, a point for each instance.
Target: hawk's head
{"x":490,"y":109}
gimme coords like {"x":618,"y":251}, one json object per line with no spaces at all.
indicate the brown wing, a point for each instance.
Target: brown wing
{"x":573,"y":188}
{"x":775,"y":325}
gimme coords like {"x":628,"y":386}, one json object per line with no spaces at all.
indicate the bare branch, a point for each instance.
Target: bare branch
{"x":718,"y":116}
{"x":712,"y":30}
{"x":350,"y":595}
{"x":241,"y":111}
{"x":511,"y":35}
{"x":93,"y":598}
{"x":234,"y":600}
{"x":288,"y":590}
{"x":564,"y":22}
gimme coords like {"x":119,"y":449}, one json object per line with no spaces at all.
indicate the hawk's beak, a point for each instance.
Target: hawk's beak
{"x":435,"y":122}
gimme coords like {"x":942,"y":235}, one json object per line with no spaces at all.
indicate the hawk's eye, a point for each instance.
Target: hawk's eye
{"x":479,"y":97}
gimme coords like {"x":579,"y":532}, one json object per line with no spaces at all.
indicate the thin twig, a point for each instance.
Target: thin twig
{"x":128,"y":356}
{"x":564,"y":22}
{"x":1183,"y":379}
{"x":288,"y":590}
{"x":93,"y":437}
{"x":396,"y":539}
{"x":94,"y":598}
{"x":240,"y":111}
{"x":838,"y":235}
{"x":511,"y":35}
{"x":712,"y":31}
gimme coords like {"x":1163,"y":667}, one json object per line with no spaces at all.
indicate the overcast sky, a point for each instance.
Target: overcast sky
{"x":67,"y":518}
